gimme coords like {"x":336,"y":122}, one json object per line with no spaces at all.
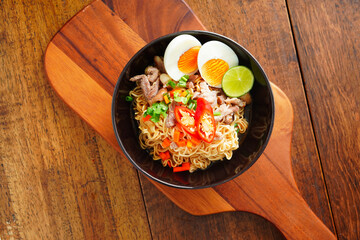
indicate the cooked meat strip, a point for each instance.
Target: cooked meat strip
{"x":158,"y":97}
{"x":221,"y":99}
{"x":234,"y":109}
{"x":228,"y":119}
{"x":225,"y":111}
{"x":138,"y":77}
{"x":170,"y":119}
{"x":235,"y":101}
{"x":196,"y":95}
{"x":159,"y":62}
{"x":152,"y":73}
{"x":246,"y":98}
{"x":190,"y":85}
{"x":208,"y":94}
{"x":193,"y":77}
{"x":150,"y":91}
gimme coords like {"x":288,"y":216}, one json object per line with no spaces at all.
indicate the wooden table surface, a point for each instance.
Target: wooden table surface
{"x":57,"y":175}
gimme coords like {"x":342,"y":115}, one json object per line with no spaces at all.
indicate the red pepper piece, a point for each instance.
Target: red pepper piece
{"x":179,"y":110}
{"x":183,"y":167}
{"x":204,"y":115}
{"x":164,"y":155}
{"x":146,"y":118}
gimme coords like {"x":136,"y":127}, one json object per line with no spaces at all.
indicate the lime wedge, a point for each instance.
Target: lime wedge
{"x":237,"y":81}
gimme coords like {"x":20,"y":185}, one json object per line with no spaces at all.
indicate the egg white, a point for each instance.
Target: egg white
{"x":216,"y":50}
{"x":177,"y":47}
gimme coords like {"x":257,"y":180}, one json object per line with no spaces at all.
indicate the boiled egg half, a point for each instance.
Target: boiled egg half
{"x":214,"y":59}
{"x":180,"y":56}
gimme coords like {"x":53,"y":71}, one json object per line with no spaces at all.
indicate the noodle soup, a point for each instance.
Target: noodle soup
{"x":186,"y":105}
{"x":259,"y":114}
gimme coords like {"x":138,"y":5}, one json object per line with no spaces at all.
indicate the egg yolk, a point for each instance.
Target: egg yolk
{"x":213,"y":71}
{"x":188,"y":60}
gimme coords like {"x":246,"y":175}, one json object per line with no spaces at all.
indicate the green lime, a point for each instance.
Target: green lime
{"x":237,"y":81}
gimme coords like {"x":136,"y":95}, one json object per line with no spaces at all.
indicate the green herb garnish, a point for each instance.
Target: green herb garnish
{"x":157,"y":109}
{"x":129,"y":99}
{"x":217,"y":113}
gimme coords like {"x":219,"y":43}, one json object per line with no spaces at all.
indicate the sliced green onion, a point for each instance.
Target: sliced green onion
{"x":129,"y":99}
{"x":177,"y":98}
{"x":171,"y":84}
{"x":217,"y":113}
{"x":150,"y":111}
{"x":191,"y":105}
{"x":155,"y":118}
{"x":237,"y":129}
{"x":155,"y":110}
{"x":187,"y":98}
{"x":184,"y":78}
{"x":181,"y":83}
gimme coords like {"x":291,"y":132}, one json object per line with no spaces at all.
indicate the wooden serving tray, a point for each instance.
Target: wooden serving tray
{"x":83,"y":62}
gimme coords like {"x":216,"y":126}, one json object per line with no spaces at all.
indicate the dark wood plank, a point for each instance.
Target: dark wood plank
{"x":264,"y":29}
{"x":58,"y":178}
{"x":328,"y":41}
{"x":167,"y":221}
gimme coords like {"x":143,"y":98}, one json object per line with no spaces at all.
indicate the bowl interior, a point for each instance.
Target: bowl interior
{"x":260,"y":115}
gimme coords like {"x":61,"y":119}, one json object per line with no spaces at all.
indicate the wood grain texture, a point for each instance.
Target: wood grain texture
{"x":267,"y":188}
{"x":328,"y":41}
{"x":264,"y":29}
{"x":65,"y":72}
{"x":152,"y":19}
{"x":38,"y":131}
{"x":58,"y":178}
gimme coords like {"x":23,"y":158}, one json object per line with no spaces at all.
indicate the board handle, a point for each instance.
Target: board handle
{"x":269,"y":194}
{"x":268,"y":188}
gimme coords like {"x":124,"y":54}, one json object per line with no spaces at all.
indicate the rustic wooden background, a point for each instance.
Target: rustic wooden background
{"x":57,"y":176}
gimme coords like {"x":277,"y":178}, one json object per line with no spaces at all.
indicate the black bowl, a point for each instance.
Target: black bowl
{"x":260,"y":115}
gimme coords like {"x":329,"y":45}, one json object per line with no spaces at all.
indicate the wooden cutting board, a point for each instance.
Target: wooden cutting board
{"x":83,"y":62}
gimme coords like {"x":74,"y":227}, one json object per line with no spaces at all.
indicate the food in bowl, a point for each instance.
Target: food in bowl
{"x":190,"y":104}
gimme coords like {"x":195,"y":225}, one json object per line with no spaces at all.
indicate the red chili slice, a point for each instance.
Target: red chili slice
{"x":185,"y":117}
{"x":204,"y":120}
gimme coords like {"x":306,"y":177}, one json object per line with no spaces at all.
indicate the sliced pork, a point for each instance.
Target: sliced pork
{"x":228,"y":119}
{"x":149,"y":91}
{"x":170,"y":118}
{"x":206,"y":93}
{"x":235,"y":101}
{"x":246,"y":98}
{"x":138,"y":77}
{"x":221,"y":99}
{"x":159,"y":62}
{"x":152,"y":73}
{"x":193,"y":77}
{"x":190,"y":85}
{"x":227,"y":113}
{"x":158,"y":97}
